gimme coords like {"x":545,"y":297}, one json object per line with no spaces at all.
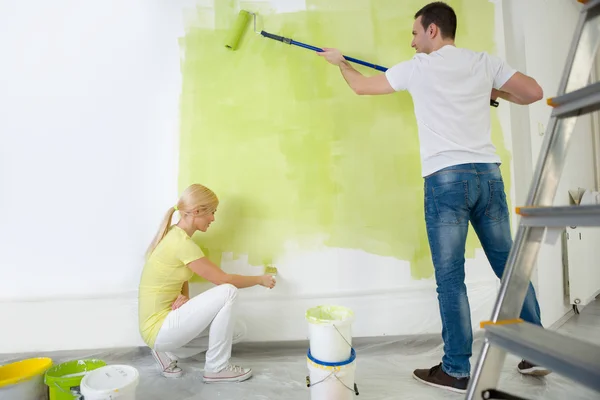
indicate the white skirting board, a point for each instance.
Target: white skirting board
{"x":41,"y":325}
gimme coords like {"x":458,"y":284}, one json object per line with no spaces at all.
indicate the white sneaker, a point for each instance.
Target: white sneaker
{"x":231,"y":373}
{"x":167,"y":365}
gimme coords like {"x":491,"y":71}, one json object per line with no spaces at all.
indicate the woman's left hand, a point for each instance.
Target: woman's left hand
{"x":179,"y":301}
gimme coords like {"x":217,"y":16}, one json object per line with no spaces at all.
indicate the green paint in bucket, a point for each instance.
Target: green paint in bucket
{"x":64,"y":379}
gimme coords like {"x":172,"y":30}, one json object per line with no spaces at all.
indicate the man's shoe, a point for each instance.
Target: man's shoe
{"x":527,"y":368}
{"x":438,"y":378}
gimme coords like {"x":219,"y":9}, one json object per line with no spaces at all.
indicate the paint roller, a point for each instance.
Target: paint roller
{"x":238,"y":29}
{"x":243,"y":19}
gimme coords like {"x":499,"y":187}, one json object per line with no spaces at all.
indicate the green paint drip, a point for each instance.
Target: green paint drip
{"x":289,"y":149}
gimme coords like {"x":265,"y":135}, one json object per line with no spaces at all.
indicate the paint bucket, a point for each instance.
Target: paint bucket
{"x":64,"y":380}
{"x":330,"y":332}
{"x":24,"y":380}
{"x":329,"y":381}
{"x":110,"y":383}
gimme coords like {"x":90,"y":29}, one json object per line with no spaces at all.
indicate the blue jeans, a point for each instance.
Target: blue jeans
{"x":453,"y":197}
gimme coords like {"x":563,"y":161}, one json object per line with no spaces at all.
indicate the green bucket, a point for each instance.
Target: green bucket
{"x":63,"y":380}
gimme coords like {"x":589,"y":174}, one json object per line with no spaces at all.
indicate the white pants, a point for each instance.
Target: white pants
{"x":204,"y":323}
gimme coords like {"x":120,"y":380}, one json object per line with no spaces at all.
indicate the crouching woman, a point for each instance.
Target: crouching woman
{"x":175,"y":326}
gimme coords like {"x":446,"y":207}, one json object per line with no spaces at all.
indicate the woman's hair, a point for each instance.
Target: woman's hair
{"x":195,"y":197}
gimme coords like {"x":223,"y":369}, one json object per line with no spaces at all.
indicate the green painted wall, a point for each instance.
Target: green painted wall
{"x":291,"y":151}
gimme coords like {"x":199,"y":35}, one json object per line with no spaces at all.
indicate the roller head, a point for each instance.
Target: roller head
{"x":238,"y":29}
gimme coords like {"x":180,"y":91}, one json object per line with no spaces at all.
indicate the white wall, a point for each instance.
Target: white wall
{"x":89,"y":128}
{"x":539,"y":48}
{"x":89,"y":96}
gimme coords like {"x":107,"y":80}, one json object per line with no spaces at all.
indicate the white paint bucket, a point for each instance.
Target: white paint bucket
{"x":330,"y":332}
{"x":110,"y":382}
{"x":329,"y":381}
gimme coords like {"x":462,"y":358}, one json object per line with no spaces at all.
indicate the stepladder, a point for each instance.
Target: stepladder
{"x":540,"y":222}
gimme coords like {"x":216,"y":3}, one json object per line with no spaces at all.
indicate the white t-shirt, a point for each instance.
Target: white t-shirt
{"x":451,"y":90}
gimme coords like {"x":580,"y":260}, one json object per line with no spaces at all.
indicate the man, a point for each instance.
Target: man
{"x":451,"y":90}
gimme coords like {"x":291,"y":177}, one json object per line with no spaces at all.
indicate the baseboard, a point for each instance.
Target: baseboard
{"x":563,"y":320}
{"x":45,"y":325}
{"x":41,"y":325}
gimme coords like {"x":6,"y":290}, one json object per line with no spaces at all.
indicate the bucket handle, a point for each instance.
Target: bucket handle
{"x":67,"y":392}
{"x":336,"y":328}
{"x":308,"y":384}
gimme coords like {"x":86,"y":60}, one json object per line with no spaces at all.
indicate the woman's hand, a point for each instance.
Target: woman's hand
{"x":267,"y":281}
{"x":179,"y":301}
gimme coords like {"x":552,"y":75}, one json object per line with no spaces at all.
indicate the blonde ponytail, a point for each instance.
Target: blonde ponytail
{"x":162,"y":230}
{"x":196,"y":199}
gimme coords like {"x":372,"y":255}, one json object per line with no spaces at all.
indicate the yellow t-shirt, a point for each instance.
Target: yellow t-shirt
{"x":162,"y":279}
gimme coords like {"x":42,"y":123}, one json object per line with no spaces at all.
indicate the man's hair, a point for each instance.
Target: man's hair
{"x":440,"y":14}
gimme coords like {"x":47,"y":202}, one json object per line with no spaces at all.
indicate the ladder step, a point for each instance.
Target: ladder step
{"x":569,"y":357}
{"x":560,"y":216}
{"x":583,"y":101}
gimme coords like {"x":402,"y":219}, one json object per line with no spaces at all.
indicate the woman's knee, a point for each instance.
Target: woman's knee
{"x":229,"y":290}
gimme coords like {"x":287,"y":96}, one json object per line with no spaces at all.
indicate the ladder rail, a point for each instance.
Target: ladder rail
{"x":523,"y":255}
{"x":585,"y":38}
{"x":575,"y":76}
{"x":548,"y":171}
{"x":551,"y":161}
{"x":513,"y":289}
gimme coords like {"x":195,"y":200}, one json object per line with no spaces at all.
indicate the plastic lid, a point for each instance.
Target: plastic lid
{"x":110,"y":378}
{"x":328,"y":314}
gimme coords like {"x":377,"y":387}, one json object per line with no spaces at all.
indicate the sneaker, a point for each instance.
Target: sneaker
{"x":231,"y":373}
{"x":167,"y":365}
{"x":527,"y":368}
{"x":438,"y":378}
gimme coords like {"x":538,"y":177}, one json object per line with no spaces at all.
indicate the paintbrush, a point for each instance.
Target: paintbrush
{"x":270,"y":270}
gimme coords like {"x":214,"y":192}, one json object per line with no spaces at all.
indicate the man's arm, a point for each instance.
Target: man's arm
{"x":519,"y":89}
{"x":359,"y":83}
{"x":506,"y":96}
{"x":363,"y":85}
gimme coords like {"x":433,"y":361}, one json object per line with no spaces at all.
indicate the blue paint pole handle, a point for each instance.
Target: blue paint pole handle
{"x":313,"y":48}
{"x":351,"y":59}
{"x":366,"y":64}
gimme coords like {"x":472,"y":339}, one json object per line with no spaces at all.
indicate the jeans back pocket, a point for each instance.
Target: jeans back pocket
{"x":497,"y":207}
{"x":451,"y":201}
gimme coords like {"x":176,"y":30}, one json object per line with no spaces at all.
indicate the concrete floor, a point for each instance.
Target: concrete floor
{"x":384,"y":370}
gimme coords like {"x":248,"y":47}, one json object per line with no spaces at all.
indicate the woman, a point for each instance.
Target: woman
{"x":172,"y":324}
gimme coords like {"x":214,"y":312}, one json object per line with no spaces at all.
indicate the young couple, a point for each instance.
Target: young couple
{"x":451,"y":89}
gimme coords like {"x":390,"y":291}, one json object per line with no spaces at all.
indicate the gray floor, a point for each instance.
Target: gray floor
{"x":384,"y":370}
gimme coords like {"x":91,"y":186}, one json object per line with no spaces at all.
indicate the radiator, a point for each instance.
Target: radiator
{"x":581,"y":250}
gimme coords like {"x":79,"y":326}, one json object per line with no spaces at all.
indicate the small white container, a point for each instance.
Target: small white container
{"x":110,"y":383}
